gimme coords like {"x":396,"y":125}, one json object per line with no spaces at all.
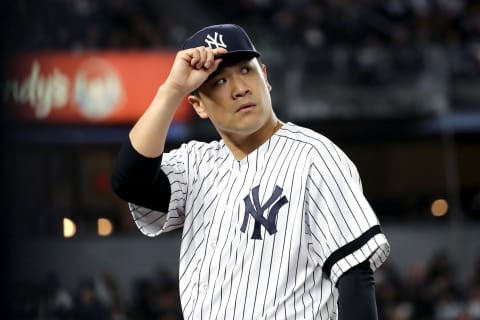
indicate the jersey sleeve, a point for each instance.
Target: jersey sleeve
{"x":152,"y":222}
{"x":344,"y":230}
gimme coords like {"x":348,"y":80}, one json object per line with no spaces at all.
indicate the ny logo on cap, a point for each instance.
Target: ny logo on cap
{"x":216,"y":41}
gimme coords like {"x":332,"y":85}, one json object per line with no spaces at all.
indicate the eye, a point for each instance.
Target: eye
{"x":245,"y":70}
{"x":219,"y":81}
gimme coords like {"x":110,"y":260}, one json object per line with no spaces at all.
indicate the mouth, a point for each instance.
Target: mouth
{"x":246,"y":107}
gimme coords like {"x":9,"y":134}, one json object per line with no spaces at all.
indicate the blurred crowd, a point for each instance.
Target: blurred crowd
{"x":70,"y":24}
{"x":374,"y":31}
{"x":430,"y":290}
{"x":369,"y":41}
{"x":97,"y":297}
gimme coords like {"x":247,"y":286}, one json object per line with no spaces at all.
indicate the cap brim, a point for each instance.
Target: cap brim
{"x":239,"y":54}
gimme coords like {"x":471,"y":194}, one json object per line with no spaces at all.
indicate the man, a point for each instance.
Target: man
{"x":275,"y":224}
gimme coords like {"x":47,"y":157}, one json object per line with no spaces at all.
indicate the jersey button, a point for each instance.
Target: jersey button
{"x":213,"y":245}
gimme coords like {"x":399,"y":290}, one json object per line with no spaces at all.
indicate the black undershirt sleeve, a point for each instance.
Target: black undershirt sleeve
{"x":356,"y":290}
{"x":140,"y":180}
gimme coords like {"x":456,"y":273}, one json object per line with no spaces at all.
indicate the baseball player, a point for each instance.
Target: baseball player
{"x":275,"y":223}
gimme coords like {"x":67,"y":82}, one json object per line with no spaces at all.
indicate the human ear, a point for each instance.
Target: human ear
{"x":196,"y":103}
{"x":264,"y":71}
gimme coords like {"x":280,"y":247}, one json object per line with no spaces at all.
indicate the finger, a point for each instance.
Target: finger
{"x":219,"y":52}
{"x":210,"y":58}
{"x":203,"y":57}
{"x":195,"y":57}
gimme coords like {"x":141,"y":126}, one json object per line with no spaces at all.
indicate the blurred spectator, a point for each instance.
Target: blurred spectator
{"x":156,"y":298}
{"x":388,"y":290}
{"x":55,"y":302}
{"x":473,"y":302}
{"x":109,"y":295}
{"x":88,"y":306}
{"x":166,"y":296}
{"x":415,"y":293}
{"x":440,"y":277}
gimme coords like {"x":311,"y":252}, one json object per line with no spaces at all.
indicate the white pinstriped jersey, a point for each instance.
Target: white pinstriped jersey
{"x":266,"y":237}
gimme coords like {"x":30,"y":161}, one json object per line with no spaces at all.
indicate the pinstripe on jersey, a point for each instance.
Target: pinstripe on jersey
{"x":323,"y":227}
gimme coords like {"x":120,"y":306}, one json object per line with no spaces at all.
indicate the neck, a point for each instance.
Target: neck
{"x":241,"y":146}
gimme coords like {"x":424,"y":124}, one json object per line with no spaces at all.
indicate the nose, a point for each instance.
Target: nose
{"x":239,"y":89}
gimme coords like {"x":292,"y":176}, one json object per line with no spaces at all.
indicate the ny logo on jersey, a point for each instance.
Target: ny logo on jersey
{"x":216,"y":41}
{"x":256,"y":211}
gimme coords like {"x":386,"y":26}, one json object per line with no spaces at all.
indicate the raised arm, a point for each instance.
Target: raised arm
{"x":136,"y":176}
{"x":189,"y":70}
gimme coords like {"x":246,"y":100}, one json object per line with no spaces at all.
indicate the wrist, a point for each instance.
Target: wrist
{"x":172,"y":89}
{"x":168,"y":97}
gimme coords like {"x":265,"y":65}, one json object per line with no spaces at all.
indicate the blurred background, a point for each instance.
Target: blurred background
{"x":394,"y":83}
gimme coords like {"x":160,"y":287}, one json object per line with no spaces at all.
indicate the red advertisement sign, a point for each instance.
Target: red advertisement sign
{"x":88,"y":87}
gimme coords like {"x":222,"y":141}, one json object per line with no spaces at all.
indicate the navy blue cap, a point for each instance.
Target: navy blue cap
{"x":229,"y":36}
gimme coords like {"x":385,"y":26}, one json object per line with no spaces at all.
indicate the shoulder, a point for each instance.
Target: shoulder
{"x":323,"y":153}
{"x":318,"y":143}
{"x":201,"y":147}
{"x":193,"y":152}
{"x":194,"y":147}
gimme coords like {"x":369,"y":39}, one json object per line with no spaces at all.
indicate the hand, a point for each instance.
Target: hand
{"x":192,"y":67}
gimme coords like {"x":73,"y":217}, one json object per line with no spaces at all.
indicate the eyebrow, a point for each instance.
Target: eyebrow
{"x":228,"y":64}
